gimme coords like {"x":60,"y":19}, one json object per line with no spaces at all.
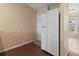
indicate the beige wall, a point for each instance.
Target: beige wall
{"x":63,"y":36}
{"x":17,"y":24}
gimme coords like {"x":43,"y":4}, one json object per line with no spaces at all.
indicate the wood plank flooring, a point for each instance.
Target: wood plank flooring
{"x":30,"y":49}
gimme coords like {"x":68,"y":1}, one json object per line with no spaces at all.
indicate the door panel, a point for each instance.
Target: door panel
{"x":43,"y":32}
{"x":53,"y":31}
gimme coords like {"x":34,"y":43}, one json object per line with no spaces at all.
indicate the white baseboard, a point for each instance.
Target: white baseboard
{"x":16,"y":46}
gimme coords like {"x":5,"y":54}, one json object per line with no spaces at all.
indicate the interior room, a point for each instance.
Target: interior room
{"x":23,"y":28}
{"x":39,"y":29}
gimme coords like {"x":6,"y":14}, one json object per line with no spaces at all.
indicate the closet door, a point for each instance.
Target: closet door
{"x":53,"y":32}
{"x":44,"y":31}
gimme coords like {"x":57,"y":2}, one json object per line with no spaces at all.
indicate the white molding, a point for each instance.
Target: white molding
{"x":16,"y":46}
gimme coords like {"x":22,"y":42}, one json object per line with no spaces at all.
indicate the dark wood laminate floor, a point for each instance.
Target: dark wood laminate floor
{"x":26,"y":50}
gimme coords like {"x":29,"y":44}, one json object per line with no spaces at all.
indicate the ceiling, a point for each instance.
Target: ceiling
{"x":39,"y":5}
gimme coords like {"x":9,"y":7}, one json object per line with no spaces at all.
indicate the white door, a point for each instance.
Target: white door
{"x":53,"y":31}
{"x":43,"y":32}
